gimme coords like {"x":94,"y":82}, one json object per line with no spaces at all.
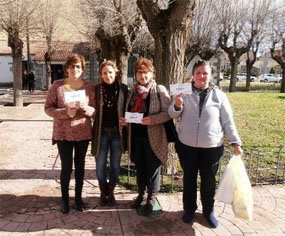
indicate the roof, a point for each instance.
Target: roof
{"x":60,"y":50}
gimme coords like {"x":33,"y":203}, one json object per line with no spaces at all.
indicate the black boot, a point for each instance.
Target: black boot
{"x":103,"y":201}
{"x":137,"y":202}
{"x":111,"y":197}
{"x":150,"y":201}
{"x":80,"y":206}
{"x":64,"y":208}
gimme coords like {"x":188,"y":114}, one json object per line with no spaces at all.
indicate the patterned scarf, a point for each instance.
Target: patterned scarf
{"x":137,"y":102}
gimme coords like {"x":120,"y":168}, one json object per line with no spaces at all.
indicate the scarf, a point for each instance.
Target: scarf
{"x":137,"y":102}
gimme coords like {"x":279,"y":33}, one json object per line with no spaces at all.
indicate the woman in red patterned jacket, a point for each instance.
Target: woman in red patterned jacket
{"x":71,"y":103}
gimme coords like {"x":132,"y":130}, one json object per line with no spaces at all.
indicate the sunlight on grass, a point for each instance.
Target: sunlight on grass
{"x":259,"y":118}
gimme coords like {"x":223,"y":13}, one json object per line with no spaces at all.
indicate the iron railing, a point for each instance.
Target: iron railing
{"x":262,"y":167}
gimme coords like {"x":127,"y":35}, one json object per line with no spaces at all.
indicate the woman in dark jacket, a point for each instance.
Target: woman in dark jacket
{"x":108,"y":134}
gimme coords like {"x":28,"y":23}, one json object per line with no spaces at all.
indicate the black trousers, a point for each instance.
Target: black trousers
{"x":147,"y":164}
{"x":206,"y":161}
{"x":65,"y":149}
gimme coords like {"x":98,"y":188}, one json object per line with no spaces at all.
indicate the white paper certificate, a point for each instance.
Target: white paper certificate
{"x":75,"y":96}
{"x":180,"y":88}
{"x":133,"y":117}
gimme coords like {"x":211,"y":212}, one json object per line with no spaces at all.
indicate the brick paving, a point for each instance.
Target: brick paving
{"x":30,"y":191}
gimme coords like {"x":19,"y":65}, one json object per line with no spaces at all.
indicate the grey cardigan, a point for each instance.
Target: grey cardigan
{"x":215,"y":122}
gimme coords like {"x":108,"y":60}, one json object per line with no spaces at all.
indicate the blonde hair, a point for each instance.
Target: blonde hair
{"x":112,"y":64}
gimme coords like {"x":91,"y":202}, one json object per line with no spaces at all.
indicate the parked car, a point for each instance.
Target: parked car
{"x":241,"y":77}
{"x":270,"y":78}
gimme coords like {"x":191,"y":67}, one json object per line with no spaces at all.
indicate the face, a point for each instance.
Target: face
{"x":108,"y":74}
{"x":75,"y":71}
{"x":144,"y":76}
{"x":202,"y":76}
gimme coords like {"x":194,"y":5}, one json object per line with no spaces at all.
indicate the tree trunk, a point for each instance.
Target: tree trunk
{"x":17,"y":85}
{"x":169,"y":58}
{"x":233,"y":80}
{"x":248,"y":75}
{"x":122,"y":63}
{"x":29,"y":67}
{"x":282,"y":89}
{"x":16,"y":44}
{"x":48,"y":75}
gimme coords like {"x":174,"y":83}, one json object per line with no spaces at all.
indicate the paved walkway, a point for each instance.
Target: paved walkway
{"x":30,"y":191}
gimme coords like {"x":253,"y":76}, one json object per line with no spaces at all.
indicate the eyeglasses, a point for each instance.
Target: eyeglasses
{"x":75,"y":67}
{"x":142,"y":72}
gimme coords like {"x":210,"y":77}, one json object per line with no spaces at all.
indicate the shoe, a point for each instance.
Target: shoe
{"x":111,"y":197}
{"x":103,"y":201}
{"x":150,"y":201}
{"x":64,"y":208}
{"x":80,"y":206}
{"x":187,"y":216}
{"x":212,"y":221}
{"x":137,"y":202}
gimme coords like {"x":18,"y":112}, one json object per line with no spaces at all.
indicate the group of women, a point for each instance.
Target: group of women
{"x":205,"y":117}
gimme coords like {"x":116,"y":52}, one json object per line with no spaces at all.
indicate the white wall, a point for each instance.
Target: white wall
{"x":6,"y":69}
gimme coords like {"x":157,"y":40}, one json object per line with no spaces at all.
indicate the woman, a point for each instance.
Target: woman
{"x":71,"y":103}
{"x":147,"y":143}
{"x":206,"y":116}
{"x":107,"y":132}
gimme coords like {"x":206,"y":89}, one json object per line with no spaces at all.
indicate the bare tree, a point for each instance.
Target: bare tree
{"x":169,"y":23}
{"x":13,"y":17}
{"x":203,"y":35}
{"x":260,"y":11}
{"x":233,"y":32}
{"x":278,"y":40}
{"x":113,"y":25}
{"x":49,"y":13}
{"x":144,"y":44}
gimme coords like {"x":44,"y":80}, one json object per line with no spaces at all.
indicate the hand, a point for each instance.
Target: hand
{"x":178,"y":100}
{"x":123,"y":121}
{"x":71,"y":112}
{"x":83,"y":105}
{"x":146,"y":121}
{"x":238,"y":150}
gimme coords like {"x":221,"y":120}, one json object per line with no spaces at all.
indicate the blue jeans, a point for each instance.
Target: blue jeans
{"x":112,"y":141}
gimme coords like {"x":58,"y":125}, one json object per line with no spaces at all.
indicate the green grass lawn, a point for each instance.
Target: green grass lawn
{"x":259,"y":118}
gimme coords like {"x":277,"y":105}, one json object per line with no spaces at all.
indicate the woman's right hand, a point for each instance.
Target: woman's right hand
{"x":123,"y":121}
{"x":71,"y":112}
{"x":178,"y":100}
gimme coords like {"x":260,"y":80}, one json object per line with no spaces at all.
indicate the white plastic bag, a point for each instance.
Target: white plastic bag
{"x":227,"y":184}
{"x":235,"y":188}
{"x":243,"y":200}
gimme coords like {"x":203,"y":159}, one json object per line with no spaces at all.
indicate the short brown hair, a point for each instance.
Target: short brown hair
{"x":112,"y":64}
{"x":144,"y":63}
{"x":202,"y":63}
{"x":73,"y":59}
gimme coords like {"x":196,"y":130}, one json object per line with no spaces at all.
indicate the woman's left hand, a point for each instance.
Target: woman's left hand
{"x":146,"y":121}
{"x":238,"y":150}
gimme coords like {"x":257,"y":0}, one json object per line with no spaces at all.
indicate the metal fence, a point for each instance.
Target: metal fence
{"x":262,"y":167}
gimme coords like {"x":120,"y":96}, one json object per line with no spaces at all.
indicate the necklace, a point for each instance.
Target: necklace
{"x":110,"y":94}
